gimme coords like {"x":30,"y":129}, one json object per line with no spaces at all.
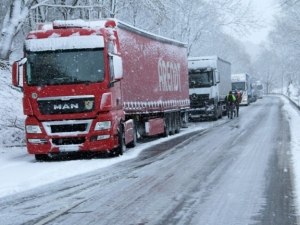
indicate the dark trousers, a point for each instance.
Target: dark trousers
{"x":237,"y":105}
{"x":230,"y":109}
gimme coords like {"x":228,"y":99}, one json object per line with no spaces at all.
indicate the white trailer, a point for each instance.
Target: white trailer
{"x":209,"y":83}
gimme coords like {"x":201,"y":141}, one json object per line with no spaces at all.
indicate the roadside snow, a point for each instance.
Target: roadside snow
{"x":11,"y":112}
{"x":294,"y":121}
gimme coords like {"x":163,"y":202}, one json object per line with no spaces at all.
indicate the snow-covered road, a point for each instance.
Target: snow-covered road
{"x":228,"y":172}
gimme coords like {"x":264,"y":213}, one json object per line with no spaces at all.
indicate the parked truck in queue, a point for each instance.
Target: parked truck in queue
{"x":259,"y":87}
{"x":209,"y":83}
{"x":98,"y":86}
{"x":243,"y":83}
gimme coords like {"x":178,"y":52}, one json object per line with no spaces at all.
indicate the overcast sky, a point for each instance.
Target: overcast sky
{"x":265,"y":9}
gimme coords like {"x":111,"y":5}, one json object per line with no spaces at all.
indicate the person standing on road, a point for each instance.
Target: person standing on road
{"x":237,"y":95}
{"x":230,"y":104}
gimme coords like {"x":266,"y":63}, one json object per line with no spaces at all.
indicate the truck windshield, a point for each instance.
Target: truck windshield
{"x":239,"y":86}
{"x":200,"y":79}
{"x":64,"y":67}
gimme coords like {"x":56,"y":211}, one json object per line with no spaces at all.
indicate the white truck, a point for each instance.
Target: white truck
{"x":242,"y":83}
{"x":254,"y":89}
{"x":259,"y":87}
{"x":209,"y":83}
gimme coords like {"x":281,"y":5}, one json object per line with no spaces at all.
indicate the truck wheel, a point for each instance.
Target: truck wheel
{"x":221,"y":113}
{"x":216,"y":116}
{"x":166,"y":126}
{"x":122,"y":147}
{"x":134,"y":141}
{"x":177,"y":123}
{"x":172,"y":123}
{"x":41,"y":157}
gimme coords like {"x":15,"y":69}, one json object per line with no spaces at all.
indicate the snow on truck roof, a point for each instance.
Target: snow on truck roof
{"x":202,"y":57}
{"x":71,"y":42}
{"x":213,"y":57}
{"x":97,"y":24}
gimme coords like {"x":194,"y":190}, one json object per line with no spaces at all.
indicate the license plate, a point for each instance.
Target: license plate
{"x":72,"y":148}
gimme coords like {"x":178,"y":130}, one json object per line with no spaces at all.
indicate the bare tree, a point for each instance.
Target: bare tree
{"x":285,"y":43}
{"x":13,"y":22}
{"x":195,"y":22}
{"x":270,"y":69}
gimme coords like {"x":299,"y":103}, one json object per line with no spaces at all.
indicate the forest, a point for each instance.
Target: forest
{"x":208,"y":27}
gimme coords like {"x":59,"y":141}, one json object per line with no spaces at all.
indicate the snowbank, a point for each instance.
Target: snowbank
{"x":11,"y":113}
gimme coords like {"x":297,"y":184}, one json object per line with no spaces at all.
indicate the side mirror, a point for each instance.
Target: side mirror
{"x":17,"y":71}
{"x":116,"y":66}
{"x":217,"y":76}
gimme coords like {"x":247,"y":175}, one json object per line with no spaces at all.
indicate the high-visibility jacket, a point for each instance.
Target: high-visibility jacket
{"x":230,"y":98}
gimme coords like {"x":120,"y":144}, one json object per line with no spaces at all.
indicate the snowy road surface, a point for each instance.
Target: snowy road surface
{"x":236,"y":172}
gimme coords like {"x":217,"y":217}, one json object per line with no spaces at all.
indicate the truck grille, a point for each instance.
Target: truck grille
{"x":65,"y":104}
{"x":68,"y":141}
{"x":67,"y":127}
{"x":197,"y":100}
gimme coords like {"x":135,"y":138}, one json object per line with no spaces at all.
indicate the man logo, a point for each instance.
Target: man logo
{"x":88,"y":104}
{"x":65,"y":106}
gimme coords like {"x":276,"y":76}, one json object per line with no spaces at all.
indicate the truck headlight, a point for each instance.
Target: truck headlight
{"x":33,"y":129}
{"x":104,"y":125}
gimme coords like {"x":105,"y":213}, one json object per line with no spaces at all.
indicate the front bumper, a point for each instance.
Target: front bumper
{"x":201,"y":113}
{"x":57,"y":136}
{"x":244,"y":101}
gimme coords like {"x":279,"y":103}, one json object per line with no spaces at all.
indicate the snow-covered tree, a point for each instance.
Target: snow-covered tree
{"x":285,"y":43}
{"x":17,"y":12}
{"x":195,"y":22}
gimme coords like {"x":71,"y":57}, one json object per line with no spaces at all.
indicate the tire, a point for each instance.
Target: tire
{"x":41,"y":157}
{"x":172,"y":123}
{"x":177,"y":123}
{"x":134,"y":141}
{"x":166,"y":125}
{"x":221,"y":112}
{"x":121,"y":149}
{"x":215,"y":118}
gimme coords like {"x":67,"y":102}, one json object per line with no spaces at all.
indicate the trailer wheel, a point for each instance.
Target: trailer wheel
{"x":41,"y":157}
{"x":172,"y":123}
{"x":166,"y":126}
{"x":177,"y":123}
